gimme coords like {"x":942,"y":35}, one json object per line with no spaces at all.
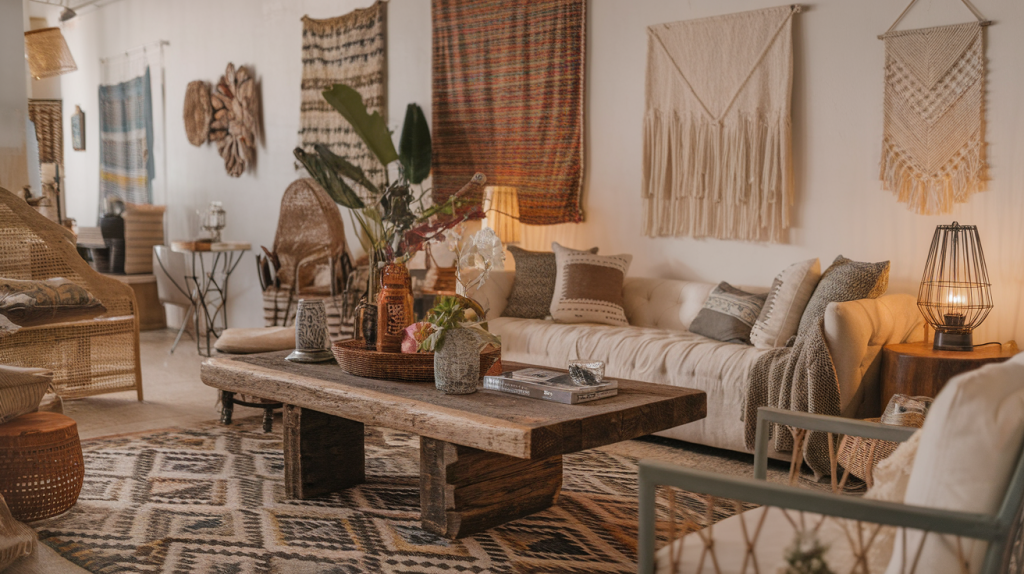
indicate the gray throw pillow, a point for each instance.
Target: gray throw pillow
{"x":844,"y":280}
{"x":534,"y":284}
{"x":729,"y":314}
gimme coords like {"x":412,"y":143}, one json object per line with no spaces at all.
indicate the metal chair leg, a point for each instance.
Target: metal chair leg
{"x":227,"y":406}
{"x":181,"y":331}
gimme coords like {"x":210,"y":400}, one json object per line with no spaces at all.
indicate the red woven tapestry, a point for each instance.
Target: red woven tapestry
{"x":508,"y":101}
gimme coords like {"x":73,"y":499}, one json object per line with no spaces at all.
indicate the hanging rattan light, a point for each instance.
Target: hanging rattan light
{"x":47,"y":53}
{"x":955,"y":295}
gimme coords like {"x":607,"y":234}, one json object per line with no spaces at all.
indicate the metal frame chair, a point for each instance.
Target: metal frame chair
{"x":168,"y":289}
{"x":999,"y":530}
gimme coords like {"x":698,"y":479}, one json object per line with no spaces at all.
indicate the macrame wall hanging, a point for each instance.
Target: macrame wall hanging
{"x":933,"y":141}
{"x":717,"y":153}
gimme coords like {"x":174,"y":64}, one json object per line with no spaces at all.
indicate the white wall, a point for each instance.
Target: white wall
{"x":837,"y":122}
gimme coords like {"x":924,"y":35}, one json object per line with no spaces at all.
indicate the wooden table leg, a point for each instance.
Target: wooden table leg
{"x":464,"y":490}
{"x":322,"y":453}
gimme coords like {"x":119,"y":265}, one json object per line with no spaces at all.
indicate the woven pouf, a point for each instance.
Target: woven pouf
{"x":41,"y":466}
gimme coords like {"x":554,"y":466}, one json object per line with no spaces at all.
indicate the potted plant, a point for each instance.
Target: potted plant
{"x":394,"y":220}
{"x":457,"y":339}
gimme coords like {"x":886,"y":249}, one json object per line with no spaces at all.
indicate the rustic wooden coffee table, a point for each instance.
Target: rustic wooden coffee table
{"x":485,"y":458}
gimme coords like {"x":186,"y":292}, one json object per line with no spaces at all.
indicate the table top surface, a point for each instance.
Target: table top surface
{"x":204,"y":246}
{"x":924,"y":349}
{"x":486,"y":420}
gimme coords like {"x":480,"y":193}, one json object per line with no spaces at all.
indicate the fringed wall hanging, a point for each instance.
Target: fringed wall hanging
{"x":350,"y":50}
{"x":508,"y":101}
{"x":47,"y":116}
{"x":127,"y":165}
{"x":717,"y":153}
{"x":933,"y":141}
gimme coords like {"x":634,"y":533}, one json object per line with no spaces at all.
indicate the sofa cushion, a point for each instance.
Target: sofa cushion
{"x":28,"y":302}
{"x":969,"y":447}
{"x":560,"y":253}
{"x":845,"y":280}
{"x":591,"y":289}
{"x":728,"y":314}
{"x":663,"y":303}
{"x":780,"y":316}
{"x":534,"y":284}
{"x":243,"y":341}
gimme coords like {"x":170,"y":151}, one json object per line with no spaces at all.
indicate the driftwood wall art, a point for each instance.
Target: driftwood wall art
{"x":228,"y":114}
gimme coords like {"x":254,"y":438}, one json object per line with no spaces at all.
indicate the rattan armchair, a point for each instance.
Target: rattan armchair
{"x":87,"y":357}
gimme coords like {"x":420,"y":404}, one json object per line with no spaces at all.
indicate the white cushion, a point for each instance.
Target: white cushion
{"x":791,"y":291}
{"x":969,"y":446}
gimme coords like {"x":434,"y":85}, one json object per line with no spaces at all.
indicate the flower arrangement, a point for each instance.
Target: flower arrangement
{"x":806,"y":555}
{"x":450,"y":313}
{"x":395,"y":220}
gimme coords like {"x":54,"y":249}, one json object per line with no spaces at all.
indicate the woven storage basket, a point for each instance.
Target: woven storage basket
{"x":21,"y":390}
{"x":41,"y":465}
{"x":413,"y":367}
{"x":860,"y":456}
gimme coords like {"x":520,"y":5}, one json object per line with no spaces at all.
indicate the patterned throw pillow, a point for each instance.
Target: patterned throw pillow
{"x":560,"y":253}
{"x":844,"y":280}
{"x":780,"y":316}
{"x":728,"y":314}
{"x":27,"y":303}
{"x":534,"y":285}
{"x":591,"y":290}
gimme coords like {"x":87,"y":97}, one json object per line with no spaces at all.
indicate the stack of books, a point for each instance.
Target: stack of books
{"x":549,"y":385}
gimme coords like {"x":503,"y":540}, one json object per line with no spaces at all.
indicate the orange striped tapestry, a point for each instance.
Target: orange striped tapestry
{"x":508,"y":101}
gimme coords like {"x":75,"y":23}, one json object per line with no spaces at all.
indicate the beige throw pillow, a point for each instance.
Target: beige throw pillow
{"x":560,"y":253}
{"x":788,"y":297}
{"x":591,"y":289}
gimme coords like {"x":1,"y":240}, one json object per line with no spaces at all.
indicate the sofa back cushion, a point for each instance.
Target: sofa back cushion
{"x":667,"y":304}
{"x":970,"y":444}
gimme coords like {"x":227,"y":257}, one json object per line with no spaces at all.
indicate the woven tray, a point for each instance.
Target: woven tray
{"x":412,"y":367}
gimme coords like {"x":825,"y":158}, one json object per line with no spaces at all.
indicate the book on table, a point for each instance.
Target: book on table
{"x":549,"y":385}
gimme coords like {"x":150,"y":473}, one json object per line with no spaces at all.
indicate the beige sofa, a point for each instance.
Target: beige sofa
{"x":657,"y":347}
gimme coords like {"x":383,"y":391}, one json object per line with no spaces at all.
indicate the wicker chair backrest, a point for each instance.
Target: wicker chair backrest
{"x":309,"y":223}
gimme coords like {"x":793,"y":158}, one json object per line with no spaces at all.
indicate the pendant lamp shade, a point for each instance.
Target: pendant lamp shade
{"x":502,"y":213}
{"x":955,"y":295}
{"x":47,"y":53}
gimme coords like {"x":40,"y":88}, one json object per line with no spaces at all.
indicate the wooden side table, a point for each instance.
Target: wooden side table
{"x":916,"y":369}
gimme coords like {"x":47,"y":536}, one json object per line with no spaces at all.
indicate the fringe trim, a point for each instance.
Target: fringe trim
{"x":956,"y":181}
{"x":728,"y":180}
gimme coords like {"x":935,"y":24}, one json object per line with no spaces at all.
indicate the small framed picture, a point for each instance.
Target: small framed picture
{"x":78,"y":129}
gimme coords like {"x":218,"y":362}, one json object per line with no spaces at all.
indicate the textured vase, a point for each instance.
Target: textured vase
{"x":457,"y":363}
{"x":366,"y":324}
{"x":394,"y":308}
{"x":312,"y":340}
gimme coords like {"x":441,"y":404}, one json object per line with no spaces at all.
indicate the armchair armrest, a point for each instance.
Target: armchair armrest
{"x":652,"y":473}
{"x":823,"y":423}
{"x":855,"y":332}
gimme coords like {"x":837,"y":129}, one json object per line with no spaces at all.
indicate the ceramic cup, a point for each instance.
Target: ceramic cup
{"x":312,"y":342}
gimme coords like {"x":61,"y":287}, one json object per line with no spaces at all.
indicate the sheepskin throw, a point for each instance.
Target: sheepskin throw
{"x":717,"y":153}
{"x":933,"y":149}
{"x":127,"y":167}
{"x":350,"y":50}
{"x":491,"y":56}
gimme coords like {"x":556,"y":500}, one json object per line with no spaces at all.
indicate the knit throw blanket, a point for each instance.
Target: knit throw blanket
{"x":717,"y":153}
{"x":798,"y":378}
{"x":933,"y":151}
{"x":126,"y":141}
{"x":350,"y":50}
{"x":508,"y":101}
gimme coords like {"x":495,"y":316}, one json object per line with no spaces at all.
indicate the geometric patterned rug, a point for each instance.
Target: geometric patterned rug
{"x":210,"y":500}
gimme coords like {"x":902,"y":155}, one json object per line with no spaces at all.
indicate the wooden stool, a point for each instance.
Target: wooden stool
{"x":41,"y":466}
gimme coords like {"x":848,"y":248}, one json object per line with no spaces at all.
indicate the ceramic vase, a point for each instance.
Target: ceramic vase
{"x":366,"y":324}
{"x":457,"y":363}
{"x":394,"y":308}
{"x":312,"y":341}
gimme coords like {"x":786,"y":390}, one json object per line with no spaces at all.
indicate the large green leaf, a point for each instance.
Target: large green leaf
{"x":328,"y":179}
{"x":345,"y":168}
{"x":371,"y":128}
{"x":414,"y":149}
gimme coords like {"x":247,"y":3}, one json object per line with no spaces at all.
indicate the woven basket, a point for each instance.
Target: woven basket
{"x":21,"y":390}
{"x":412,"y":367}
{"x":41,"y":466}
{"x":860,"y":456}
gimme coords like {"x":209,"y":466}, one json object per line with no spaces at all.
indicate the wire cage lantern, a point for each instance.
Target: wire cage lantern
{"x":955,"y":295}
{"x":47,"y":53}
